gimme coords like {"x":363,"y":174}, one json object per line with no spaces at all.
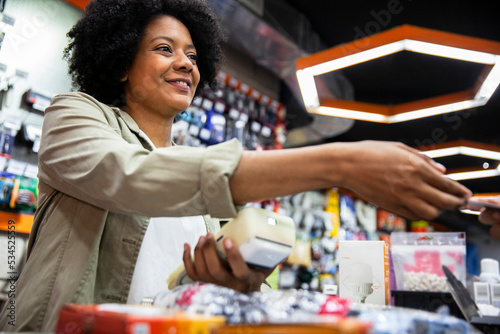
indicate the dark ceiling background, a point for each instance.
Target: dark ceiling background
{"x":408,"y":76}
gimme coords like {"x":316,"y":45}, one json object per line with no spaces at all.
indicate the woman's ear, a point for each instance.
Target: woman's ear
{"x":124,"y":78}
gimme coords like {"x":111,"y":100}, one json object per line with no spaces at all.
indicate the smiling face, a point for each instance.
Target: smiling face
{"x":163,"y":77}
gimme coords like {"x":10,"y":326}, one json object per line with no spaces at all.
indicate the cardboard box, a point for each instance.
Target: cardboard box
{"x":364,"y":271}
{"x":132,"y":319}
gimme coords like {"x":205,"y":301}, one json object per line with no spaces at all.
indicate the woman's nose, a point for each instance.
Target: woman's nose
{"x":183,"y":62}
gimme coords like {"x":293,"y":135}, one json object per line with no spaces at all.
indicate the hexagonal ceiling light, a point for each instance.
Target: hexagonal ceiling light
{"x":468,"y":148}
{"x":403,"y":38}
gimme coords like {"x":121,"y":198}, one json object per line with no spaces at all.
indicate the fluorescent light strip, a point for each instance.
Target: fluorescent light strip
{"x":443,"y":152}
{"x":470,"y":151}
{"x":407,"y":116}
{"x":474,"y":174}
{"x":449,"y":52}
{"x":476,"y":152}
{"x":352,"y":114}
{"x":437,"y":110}
{"x":310,"y":96}
{"x":357,"y":58}
{"x":308,"y":88}
{"x":408,"y":45}
{"x":491,"y":82}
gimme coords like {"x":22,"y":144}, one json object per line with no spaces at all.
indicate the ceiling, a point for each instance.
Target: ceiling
{"x":390,"y":80}
{"x":408,"y":76}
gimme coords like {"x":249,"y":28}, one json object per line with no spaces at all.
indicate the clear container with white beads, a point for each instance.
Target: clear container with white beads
{"x":418,"y":258}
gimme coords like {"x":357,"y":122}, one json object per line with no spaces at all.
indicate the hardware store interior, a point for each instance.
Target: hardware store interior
{"x":350,"y":263}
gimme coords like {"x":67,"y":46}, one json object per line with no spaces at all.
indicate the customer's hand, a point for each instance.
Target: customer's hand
{"x":208,"y":267}
{"x":400,"y":179}
{"x":489,"y":216}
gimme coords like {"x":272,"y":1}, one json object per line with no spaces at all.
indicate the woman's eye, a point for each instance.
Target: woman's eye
{"x":164,"y":48}
{"x":193,"y":57}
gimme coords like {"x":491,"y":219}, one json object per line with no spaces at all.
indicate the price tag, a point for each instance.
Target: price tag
{"x":194,"y":130}
{"x":244,"y":88}
{"x":255,"y":94}
{"x":205,"y":134}
{"x":256,"y":127}
{"x":222,"y":76}
{"x":16,"y":167}
{"x":3,"y":162}
{"x":31,"y":171}
{"x":207,"y":104}
{"x":244,"y":117}
{"x":330,"y":289}
{"x":234,"y":113}
{"x":264,"y":100}
{"x":197,"y":101}
{"x":266,"y":131}
{"x":233,"y":83}
{"x":220,"y":107}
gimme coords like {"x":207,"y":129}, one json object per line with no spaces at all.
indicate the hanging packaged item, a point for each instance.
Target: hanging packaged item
{"x":6,"y":187}
{"x":418,"y":257}
{"x":214,"y":127}
{"x":7,"y":136}
{"x":24,"y":193}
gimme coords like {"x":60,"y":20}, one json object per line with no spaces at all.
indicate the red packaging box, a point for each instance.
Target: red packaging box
{"x":132,"y":319}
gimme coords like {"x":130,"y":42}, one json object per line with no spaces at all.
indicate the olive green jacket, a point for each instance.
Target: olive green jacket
{"x":99,"y":184}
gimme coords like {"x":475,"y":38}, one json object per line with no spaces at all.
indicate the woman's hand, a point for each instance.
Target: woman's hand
{"x":391,"y":175}
{"x":208,"y":267}
{"x":489,"y":216}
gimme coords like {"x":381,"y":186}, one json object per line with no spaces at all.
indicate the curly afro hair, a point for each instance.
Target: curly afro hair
{"x":104,"y":42}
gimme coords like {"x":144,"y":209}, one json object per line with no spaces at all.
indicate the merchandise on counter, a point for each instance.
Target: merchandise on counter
{"x":487,"y":291}
{"x":495,"y":294}
{"x":327,"y":326}
{"x":426,"y":301}
{"x":471,"y":312}
{"x":277,"y":311}
{"x":402,"y":320}
{"x":275,"y":306}
{"x":489,"y":271}
{"x":418,"y":259}
{"x":364,"y":271}
{"x":132,"y":319}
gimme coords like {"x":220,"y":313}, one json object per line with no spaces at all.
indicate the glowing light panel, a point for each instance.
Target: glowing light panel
{"x":404,"y":38}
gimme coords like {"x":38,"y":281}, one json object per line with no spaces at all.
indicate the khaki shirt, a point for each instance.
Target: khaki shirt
{"x":99,"y":184}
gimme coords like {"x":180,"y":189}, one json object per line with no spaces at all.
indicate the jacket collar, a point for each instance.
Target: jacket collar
{"x":132,"y":125}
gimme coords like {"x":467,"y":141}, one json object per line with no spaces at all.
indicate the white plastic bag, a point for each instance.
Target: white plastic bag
{"x":418,"y":259}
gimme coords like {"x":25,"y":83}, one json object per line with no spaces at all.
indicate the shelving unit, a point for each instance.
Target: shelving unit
{"x":23,"y":221}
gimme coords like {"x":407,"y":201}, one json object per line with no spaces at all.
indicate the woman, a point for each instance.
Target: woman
{"x":119,"y":205}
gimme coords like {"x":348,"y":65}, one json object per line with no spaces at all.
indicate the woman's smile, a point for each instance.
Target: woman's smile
{"x":181,"y":84}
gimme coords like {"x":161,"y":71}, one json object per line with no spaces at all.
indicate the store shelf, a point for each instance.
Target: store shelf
{"x":22,"y":221}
